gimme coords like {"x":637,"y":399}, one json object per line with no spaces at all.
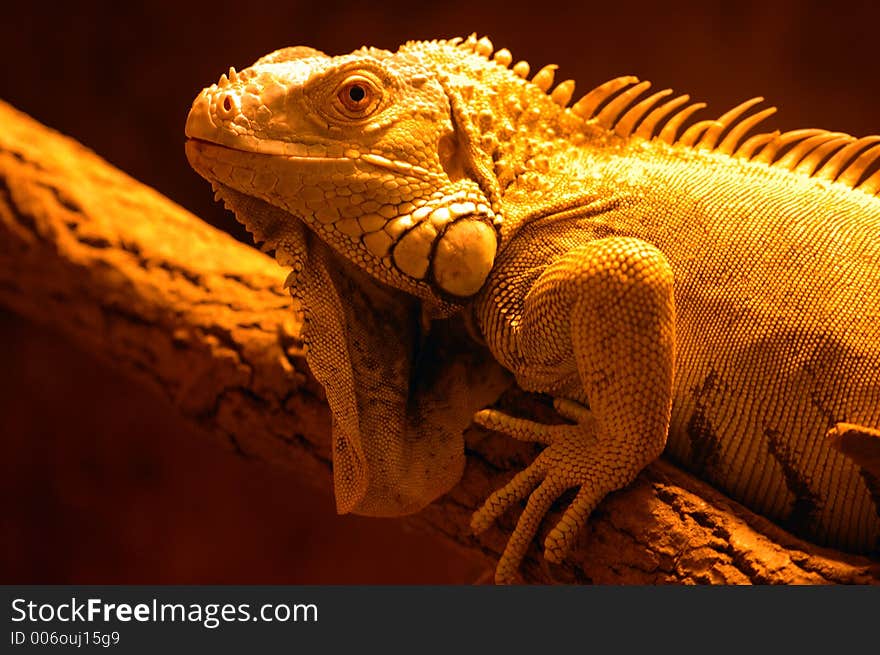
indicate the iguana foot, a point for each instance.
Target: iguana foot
{"x":570,"y":460}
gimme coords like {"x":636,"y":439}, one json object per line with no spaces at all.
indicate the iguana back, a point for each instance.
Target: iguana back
{"x":777,"y":297}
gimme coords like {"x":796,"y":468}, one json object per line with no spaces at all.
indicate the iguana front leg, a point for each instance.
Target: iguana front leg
{"x":606,"y":311}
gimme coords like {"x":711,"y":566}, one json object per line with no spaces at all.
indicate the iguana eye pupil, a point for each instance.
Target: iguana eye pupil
{"x":356,"y":92}
{"x":357,"y":97}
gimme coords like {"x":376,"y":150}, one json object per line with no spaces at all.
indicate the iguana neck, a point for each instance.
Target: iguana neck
{"x":523,"y":132}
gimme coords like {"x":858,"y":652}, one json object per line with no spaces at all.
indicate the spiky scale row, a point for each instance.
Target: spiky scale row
{"x":846,"y":160}
{"x":729,"y":144}
{"x":872,"y":184}
{"x":854,"y":171}
{"x":806,"y":146}
{"x":609,"y":114}
{"x":503,"y":57}
{"x":768,"y":153}
{"x":484,"y":47}
{"x":814,"y":157}
{"x":695,"y":131}
{"x":672,"y":125}
{"x":543,"y":79}
{"x":591,"y":101}
{"x":521,"y":68}
{"x":658,"y":116}
{"x":830,"y":170}
{"x":725,"y":121}
{"x":753,"y":143}
{"x":631,"y":118}
{"x":561,"y":95}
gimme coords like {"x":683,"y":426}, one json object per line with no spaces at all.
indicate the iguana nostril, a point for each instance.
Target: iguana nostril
{"x":228,"y":104}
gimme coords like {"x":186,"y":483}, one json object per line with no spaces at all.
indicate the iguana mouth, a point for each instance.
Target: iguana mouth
{"x":294,"y":151}
{"x":306,"y":153}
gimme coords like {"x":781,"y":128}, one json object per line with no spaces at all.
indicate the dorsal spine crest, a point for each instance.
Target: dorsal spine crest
{"x":615,"y":107}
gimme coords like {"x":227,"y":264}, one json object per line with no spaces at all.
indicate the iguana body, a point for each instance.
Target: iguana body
{"x":720,"y":290}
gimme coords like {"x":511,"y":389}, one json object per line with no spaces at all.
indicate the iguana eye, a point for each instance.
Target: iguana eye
{"x":358,"y":96}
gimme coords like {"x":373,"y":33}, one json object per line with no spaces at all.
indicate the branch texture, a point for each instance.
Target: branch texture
{"x":203,"y":319}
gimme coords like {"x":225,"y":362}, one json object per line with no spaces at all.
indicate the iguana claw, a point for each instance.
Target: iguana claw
{"x":565,"y":463}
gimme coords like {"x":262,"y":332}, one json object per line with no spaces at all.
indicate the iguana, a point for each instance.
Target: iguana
{"x":672,"y":284}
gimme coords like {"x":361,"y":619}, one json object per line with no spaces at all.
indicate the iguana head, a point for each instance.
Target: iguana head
{"x":373,"y":152}
{"x":368,"y":149}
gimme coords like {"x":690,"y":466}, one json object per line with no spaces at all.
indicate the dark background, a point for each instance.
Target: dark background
{"x":101,"y":483}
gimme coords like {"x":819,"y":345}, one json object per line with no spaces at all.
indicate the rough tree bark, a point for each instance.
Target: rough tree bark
{"x":203,"y":319}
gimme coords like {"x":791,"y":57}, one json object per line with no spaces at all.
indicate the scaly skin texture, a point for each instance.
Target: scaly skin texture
{"x":692,"y":288}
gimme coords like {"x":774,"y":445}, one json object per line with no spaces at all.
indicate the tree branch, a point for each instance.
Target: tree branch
{"x":203,"y":319}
